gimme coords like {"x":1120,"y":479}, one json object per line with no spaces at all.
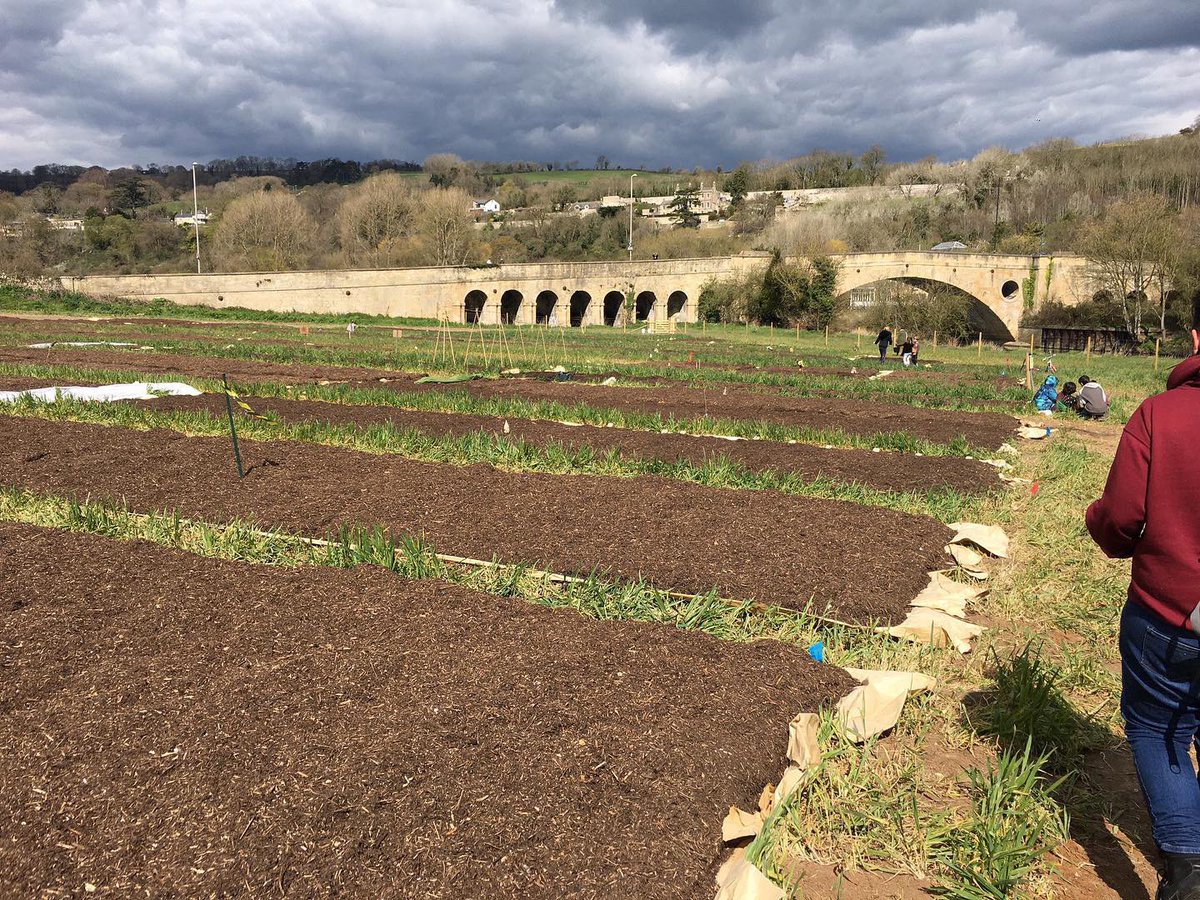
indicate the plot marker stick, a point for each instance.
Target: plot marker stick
{"x":237,"y":453}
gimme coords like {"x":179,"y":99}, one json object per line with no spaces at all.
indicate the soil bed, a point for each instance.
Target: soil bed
{"x":891,"y":471}
{"x":180,"y":726}
{"x":858,"y":417}
{"x":853,"y":562}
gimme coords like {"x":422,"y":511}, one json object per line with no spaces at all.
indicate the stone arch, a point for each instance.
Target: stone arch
{"x":613,"y":301}
{"x":981,"y":317}
{"x":677,"y":305}
{"x":510,"y":307}
{"x":544,"y":308}
{"x":643,"y":307}
{"x":473,"y":307}
{"x":580,"y":301}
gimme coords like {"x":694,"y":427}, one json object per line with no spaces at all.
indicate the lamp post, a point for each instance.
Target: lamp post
{"x":196,"y":217}
{"x":632,"y":176}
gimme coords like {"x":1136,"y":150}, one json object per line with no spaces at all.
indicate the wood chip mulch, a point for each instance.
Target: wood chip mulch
{"x":174,"y":726}
{"x":853,"y":562}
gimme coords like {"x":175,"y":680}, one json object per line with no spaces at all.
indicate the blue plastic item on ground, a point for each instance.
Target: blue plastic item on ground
{"x":817,"y":651}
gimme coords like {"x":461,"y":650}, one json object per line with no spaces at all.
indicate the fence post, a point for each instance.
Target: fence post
{"x":979,"y":352}
{"x":1088,"y":353}
{"x":1157,"y":341}
{"x":826,"y":335}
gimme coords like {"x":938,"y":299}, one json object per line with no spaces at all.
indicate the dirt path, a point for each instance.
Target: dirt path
{"x":760,"y":545}
{"x":179,"y":726}
{"x":858,"y":417}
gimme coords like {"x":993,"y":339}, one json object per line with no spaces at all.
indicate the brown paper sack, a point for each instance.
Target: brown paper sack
{"x":947,"y":595}
{"x":934,"y":627}
{"x":988,"y":538}
{"x":738,"y":879}
{"x":875,"y":705}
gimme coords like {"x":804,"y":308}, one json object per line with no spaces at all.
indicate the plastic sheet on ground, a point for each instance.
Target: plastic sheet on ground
{"x":883,"y":374}
{"x":1033,"y":433}
{"x":105,"y":393}
{"x":875,"y":705}
{"x":948,"y":595}
{"x":936,"y":628}
{"x":46,"y":345}
{"x":444,"y":379}
{"x":988,"y":538}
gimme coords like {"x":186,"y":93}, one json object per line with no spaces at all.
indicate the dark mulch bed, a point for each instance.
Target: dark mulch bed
{"x":180,"y":726}
{"x":858,"y":417}
{"x":855,"y":562}
{"x":890,"y":471}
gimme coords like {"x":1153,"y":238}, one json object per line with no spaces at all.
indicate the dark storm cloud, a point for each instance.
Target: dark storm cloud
{"x":653,"y":83}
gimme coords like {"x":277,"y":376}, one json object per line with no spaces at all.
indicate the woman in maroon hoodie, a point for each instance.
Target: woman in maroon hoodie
{"x":1150,"y":512}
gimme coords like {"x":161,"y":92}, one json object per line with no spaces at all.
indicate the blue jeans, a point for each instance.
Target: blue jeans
{"x":1160,"y":701}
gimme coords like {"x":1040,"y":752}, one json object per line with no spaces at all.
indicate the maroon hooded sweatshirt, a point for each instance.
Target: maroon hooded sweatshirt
{"x":1150,"y":509}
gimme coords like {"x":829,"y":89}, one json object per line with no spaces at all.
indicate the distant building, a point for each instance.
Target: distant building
{"x":66,"y":224}
{"x":189,"y":220}
{"x":485,"y":206}
{"x":950,"y":246}
{"x":863,"y":298}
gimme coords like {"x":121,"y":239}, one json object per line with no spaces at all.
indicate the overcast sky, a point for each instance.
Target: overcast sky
{"x":646,"y":82}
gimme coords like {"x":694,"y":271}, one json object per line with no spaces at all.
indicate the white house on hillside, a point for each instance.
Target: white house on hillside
{"x":485,"y":206}
{"x":189,"y":220}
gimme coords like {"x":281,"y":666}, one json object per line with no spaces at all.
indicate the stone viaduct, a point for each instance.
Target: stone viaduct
{"x":598,"y":293}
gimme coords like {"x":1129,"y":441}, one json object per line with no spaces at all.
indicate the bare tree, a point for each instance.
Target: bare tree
{"x":265,"y":231}
{"x":381,"y":212}
{"x":446,"y":225}
{"x":1128,"y":253}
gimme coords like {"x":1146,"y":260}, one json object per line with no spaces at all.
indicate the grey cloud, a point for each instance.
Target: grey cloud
{"x":651,"y":83}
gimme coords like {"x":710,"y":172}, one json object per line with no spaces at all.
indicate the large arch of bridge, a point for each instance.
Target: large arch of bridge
{"x":982,"y":315}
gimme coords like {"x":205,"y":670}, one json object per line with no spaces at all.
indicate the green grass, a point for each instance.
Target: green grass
{"x":460,"y":401}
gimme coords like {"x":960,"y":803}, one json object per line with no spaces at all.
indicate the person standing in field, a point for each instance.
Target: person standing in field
{"x":1150,"y":513}
{"x":883,"y":341}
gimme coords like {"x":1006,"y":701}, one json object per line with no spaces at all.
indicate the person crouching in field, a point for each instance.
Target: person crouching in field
{"x":1092,"y":402}
{"x":1150,"y":512}
{"x":1068,"y":396}
{"x":1046,"y":398}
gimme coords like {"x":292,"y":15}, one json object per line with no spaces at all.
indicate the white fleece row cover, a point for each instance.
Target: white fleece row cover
{"x":47,"y":345}
{"x":105,"y":393}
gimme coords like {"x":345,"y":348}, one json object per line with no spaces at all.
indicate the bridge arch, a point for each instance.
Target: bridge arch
{"x":613,"y":301}
{"x":473,"y":306}
{"x":510,"y":307}
{"x":643,"y":307}
{"x":580,"y":301}
{"x":981,"y":317}
{"x":544,"y":307}
{"x":677,"y":305}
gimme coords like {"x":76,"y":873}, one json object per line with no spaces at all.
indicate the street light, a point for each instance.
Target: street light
{"x":196,"y":217}
{"x":632,"y":176}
